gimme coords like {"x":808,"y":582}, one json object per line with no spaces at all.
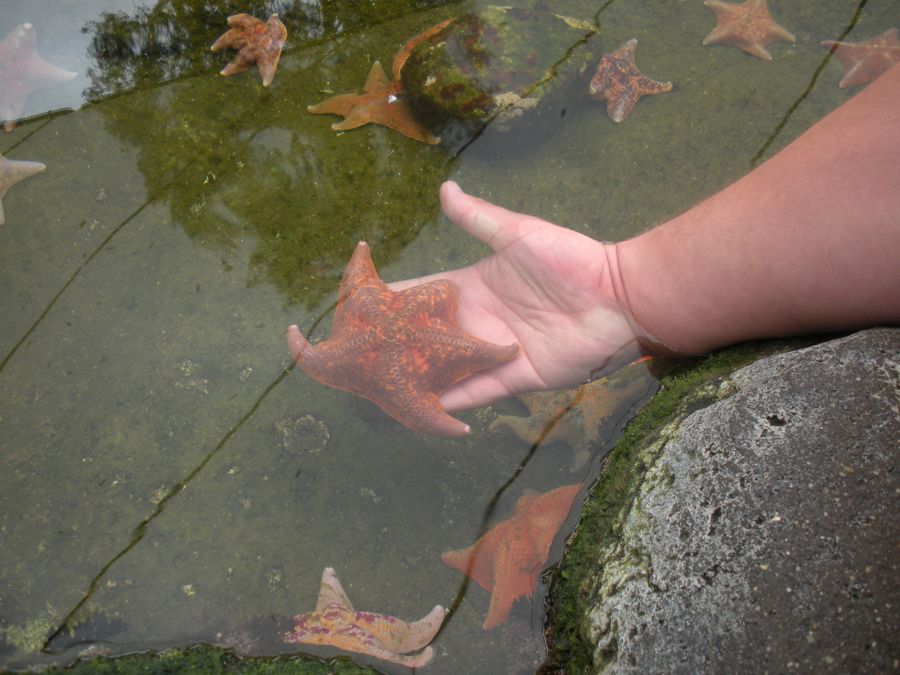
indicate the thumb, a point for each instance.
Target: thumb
{"x":494,"y":225}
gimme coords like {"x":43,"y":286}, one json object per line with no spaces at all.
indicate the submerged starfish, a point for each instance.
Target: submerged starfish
{"x":23,"y":71}
{"x":334,"y":622}
{"x":11,"y":172}
{"x":397,"y":349}
{"x":747,"y":25}
{"x":577,"y":416}
{"x":619,"y":81}
{"x":257,"y":42}
{"x":507,"y":560}
{"x":382,"y":100}
{"x":864,"y":61}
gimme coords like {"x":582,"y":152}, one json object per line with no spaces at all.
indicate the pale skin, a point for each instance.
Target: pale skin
{"x":808,"y":242}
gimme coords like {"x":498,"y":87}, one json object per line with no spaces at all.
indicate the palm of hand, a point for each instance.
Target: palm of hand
{"x":548,"y":288}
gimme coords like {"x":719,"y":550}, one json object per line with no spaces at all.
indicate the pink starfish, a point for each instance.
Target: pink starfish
{"x":746,"y":25}
{"x":864,"y":61}
{"x":23,"y":71}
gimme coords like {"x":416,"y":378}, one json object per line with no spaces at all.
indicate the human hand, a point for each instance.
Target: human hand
{"x":547,"y":287}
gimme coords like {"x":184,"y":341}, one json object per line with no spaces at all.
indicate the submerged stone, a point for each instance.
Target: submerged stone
{"x":495,"y":65}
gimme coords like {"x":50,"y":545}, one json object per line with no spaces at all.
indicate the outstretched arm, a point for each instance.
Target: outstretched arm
{"x":807,"y":242}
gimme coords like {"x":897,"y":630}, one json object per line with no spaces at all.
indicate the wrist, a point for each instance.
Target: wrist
{"x":627,"y":280}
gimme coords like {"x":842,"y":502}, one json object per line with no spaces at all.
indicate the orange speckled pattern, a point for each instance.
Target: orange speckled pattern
{"x":397,"y":349}
{"x":334,"y":622}
{"x":618,"y":80}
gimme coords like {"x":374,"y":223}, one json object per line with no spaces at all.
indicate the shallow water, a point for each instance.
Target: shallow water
{"x":165,"y":480}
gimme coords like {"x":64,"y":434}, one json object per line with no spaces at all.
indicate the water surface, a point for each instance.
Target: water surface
{"x":165,"y":480}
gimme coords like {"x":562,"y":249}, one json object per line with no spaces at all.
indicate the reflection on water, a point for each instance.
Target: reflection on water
{"x":147,"y":44}
{"x":164,"y":482}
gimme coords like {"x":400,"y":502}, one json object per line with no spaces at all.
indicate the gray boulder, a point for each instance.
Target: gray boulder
{"x":764,"y":537}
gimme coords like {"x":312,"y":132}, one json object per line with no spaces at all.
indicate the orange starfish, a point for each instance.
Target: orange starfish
{"x":334,"y":622}
{"x":619,"y":81}
{"x":256,"y":42}
{"x":747,"y":25}
{"x":864,"y":61}
{"x":507,"y":560}
{"x":11,"y":172}
{"x":23,"y":71}
{"x":397,"y":349}
{"x":577,"y":416}
{"x":381,"y":101}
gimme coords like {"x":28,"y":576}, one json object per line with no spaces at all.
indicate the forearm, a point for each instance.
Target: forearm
{"x":807,"y":242}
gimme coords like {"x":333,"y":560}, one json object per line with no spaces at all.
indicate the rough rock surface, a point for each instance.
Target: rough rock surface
{"x":764,"y":538}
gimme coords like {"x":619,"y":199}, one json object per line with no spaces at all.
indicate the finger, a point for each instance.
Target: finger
{"x":492,"y":224}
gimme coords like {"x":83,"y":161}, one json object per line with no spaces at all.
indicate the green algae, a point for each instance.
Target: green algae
{"x":487,"y":64}
{"x":30,"y":637}
{"x":211,"y":661}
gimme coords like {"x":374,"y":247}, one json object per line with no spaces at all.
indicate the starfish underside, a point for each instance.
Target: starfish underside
{"x":508,"y":559}
{"x":334,"y":622}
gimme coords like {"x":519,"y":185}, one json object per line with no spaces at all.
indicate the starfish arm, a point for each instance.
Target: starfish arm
{"x":337,"y":628}
{"x":779,"y":31}
{"x":414,"y":661}
{"x":421,"y":411}
{"x":241,"y":63}
{"x":376,"y":81}
{"x":527,"y":429}
{"x":408,"y":636}
{"x":651,"y":87}
{"x":267,"y":66}
{"x":398,"y":116}
{"x":514,"y":569}
{"x":341,"y":105}
{"x":230,"y":39}
{"x":332,"y":362}
{"x":455,"y":354}
{"x":403,"y":54}
{"x":359,"y":116}
{"x":477,"y":560}
{"x":12,"y":172}
{"x":619,"y":108}
{"x":758,"y":51}
{"x":331,"y":592}
{"x":242,"y":22}
{"x":43,"y":74}
{"x":314,"y":360}
{"x":360,"y":273}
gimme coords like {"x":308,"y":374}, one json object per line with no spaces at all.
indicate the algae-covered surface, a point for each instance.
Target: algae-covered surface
{"x":166,"y":481}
